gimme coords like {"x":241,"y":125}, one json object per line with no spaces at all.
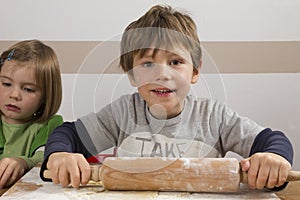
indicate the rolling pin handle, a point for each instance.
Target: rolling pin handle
{"x":293,"y":176}
{"x":47,"y":174}
{"x":244,"y":177}
{"x":95,"y":172}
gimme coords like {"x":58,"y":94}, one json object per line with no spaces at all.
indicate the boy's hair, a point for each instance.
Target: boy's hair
{"x":160,"y":28}
{"x":47,"y":73}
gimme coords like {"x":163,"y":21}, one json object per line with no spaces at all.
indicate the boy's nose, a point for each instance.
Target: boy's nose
{"x":164,"y":73}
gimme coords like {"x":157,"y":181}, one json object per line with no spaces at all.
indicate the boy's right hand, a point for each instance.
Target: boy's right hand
{"x":69,"y":168}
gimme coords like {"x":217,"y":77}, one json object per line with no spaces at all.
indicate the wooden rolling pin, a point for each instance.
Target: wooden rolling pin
{"x":172,"y":174}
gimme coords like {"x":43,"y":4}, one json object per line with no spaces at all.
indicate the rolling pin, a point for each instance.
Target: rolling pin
{"x":171,"y":174}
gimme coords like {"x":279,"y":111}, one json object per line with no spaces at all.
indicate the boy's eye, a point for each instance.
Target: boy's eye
{"x":148,"y":64}
{"x":175,"y":62}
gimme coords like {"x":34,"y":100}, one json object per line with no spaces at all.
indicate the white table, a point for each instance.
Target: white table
{"x":32,"y":187}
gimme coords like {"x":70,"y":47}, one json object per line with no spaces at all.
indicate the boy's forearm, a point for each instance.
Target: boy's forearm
{"x":274,"y":142}
{"x":63,"y":139}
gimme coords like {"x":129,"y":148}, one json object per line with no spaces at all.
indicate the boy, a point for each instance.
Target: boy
{"x":161,"y":54}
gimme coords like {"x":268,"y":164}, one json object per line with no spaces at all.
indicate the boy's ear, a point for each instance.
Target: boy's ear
{"x":196,"y":73}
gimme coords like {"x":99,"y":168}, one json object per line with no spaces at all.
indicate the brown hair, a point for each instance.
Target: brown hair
{"x":160,"y":27}
{"x":47,"y":73}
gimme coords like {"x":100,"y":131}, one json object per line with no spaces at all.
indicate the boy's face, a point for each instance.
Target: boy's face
{"x":164,"y":80}
{"x":20,"y":97}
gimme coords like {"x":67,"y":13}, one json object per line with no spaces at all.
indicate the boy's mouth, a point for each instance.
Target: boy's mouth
{"x":162,"y":91}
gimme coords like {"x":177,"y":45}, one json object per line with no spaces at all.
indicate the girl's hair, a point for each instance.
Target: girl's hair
{"x":160,"y":28}
{"x":47,"y":73}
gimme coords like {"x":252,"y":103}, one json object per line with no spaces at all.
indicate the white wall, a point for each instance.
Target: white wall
{"x":218,"y":20}
{"x":270,"y":99}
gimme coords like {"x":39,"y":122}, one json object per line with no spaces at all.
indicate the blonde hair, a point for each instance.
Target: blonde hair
{"x":47,"y":73}
{"x":160,"y":27}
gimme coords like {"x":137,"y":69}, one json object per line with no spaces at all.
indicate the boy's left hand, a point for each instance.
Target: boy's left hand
{"x":266,"y":170}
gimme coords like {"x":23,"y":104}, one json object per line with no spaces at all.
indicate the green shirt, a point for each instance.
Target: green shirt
{"x":25,"y":140}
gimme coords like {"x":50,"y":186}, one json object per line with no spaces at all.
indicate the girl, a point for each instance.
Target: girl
{"x":30,"y":95}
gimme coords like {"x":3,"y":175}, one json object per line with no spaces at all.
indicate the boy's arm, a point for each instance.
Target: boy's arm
{"x":273,"y":142}
{"x":63,"y":139}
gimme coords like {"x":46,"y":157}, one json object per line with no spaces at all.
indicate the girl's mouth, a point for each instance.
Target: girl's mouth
{"x":13,"y":108}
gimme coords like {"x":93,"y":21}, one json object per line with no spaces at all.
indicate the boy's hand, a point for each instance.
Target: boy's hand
{"x":69,"y":168}
{"x":11,"y":169}
{"x":266,"y":169}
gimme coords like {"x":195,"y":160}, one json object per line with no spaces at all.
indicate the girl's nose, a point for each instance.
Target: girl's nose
{"x":15,"y":94}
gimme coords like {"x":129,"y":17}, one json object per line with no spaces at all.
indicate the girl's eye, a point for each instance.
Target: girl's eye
{"x":27,"y":89}
{"x":148,"y":64}
{"x":6,"y":84}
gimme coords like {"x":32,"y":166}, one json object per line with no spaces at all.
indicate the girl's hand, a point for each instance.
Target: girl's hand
{"x":69,"y":168}
{"x":11,"y":170}
{"x":266,"y":170}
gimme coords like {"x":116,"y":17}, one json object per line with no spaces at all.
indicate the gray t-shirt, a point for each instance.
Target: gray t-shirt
{"x":204,"y":128}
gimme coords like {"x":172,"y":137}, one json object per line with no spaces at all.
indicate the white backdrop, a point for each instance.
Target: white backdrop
{"x":270,"y":99}
{"x":218,"y":20}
